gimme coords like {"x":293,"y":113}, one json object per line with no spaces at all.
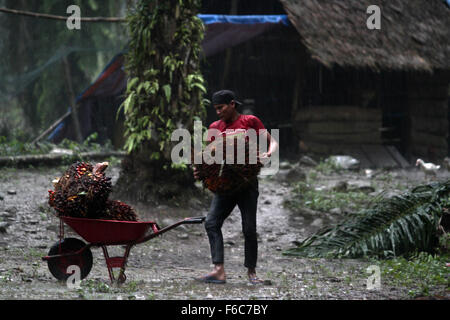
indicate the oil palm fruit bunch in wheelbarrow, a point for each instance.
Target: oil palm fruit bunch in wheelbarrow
{"x":83,"y":191}
{"x":235,"y":168}
{"x":118,"y":210}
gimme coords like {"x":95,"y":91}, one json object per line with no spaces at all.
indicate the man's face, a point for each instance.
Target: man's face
{"x":225,"y":112}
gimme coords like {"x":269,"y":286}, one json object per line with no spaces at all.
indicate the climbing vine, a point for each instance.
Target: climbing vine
{"x":165,"y":87}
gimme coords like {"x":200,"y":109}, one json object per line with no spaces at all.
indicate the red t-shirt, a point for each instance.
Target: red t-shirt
{"x":243,"y":122}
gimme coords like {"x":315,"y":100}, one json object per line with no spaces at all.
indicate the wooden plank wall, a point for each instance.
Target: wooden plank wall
{"x":333,"y":129}
{"x":428,"y":99}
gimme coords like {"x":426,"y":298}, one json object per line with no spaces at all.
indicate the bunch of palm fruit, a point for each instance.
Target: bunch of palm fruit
{"x":222,"y":177}
{"x":83,"y":191}
{"x":117,"y":210}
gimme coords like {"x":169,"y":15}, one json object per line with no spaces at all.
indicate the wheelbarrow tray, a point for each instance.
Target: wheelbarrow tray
{"x":102,"y":233}
{"x":110,"y":232}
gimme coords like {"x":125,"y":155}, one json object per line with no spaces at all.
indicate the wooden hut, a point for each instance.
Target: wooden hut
{"x":392,"y":82}
{"x":336,"y":86}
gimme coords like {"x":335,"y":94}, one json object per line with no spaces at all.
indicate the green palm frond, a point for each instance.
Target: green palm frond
{"x":391,"y":227}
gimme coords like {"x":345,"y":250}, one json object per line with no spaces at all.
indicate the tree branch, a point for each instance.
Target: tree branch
{"x":55,"y":17}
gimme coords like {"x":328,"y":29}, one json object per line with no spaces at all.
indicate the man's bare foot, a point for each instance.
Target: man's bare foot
{"x":215,"y":276}
{"x":218,"y":272}
{"x":253,"y":278}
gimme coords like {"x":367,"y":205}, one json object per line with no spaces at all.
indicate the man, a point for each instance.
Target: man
{"x":225,"y":103}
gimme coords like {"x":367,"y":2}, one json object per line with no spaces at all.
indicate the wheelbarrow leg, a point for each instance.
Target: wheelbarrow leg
{"x":122,"y":277}
{"x":117,"y":262}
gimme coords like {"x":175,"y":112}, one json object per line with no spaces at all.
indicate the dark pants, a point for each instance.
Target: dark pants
{"x":221,"y":207}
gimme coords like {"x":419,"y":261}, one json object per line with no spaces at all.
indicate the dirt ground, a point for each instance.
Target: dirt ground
{"x":164,"y":268}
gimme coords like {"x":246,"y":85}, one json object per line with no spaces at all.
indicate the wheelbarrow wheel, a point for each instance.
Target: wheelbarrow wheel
{"x":58,"y":266}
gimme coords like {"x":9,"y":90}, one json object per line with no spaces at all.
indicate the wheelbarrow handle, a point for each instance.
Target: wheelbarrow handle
{"x":164,"y":230}
{"x":194,"y":220}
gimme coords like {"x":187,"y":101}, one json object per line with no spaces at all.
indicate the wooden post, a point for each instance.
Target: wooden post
{"x":226,"y":68}
{"x":297,"y":89}
{"x":53,"y":126}
{"x":74,"y":105}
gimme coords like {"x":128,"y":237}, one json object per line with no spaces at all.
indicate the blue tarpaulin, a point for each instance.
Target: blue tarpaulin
{"x":249,"y":19}
{"x":111,"y":82}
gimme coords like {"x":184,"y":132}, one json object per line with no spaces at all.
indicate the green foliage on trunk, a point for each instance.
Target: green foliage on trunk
{"x":165,"y":87}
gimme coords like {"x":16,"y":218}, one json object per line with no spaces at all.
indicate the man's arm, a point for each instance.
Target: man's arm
{"x":273,"y":145}
{"x":271,"y":142}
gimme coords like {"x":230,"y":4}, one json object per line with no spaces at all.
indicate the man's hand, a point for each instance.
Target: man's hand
{"x":264,"y":157}
{"x":196,"y":173}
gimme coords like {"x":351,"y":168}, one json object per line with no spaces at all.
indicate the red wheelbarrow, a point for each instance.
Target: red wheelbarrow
{"x":101,"y":233}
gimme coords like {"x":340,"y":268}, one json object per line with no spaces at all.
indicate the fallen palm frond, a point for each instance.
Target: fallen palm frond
{"x":392,"y":227}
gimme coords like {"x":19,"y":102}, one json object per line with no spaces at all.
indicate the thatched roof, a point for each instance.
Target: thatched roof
{"x":414,"y":34}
